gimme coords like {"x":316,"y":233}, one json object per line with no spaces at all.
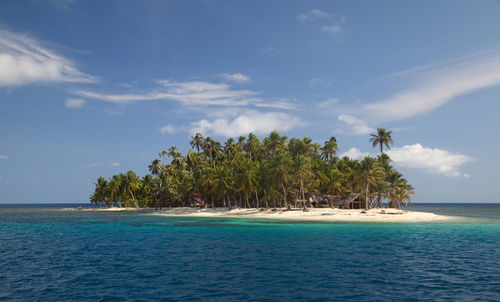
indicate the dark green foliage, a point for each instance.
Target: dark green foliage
{"x":274,"y":172}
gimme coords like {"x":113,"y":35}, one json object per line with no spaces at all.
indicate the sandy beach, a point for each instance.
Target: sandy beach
{"x":317,"y":214}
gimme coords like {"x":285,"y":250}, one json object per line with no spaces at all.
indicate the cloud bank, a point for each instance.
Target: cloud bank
{"x":245,"y":122}
{"x":434,"y":161}
{"x":416,"y":156}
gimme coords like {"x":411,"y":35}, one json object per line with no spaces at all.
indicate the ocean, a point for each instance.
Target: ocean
{"x":49,"y":254}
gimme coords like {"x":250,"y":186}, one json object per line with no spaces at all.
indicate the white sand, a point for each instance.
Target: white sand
{"x":319,"y":214}
{"x":118,"y":209}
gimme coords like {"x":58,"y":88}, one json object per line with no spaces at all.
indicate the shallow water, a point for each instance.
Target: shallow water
{"x":51,"y":255}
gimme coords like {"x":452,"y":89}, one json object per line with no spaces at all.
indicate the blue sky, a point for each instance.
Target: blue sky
{"x":91,"y":88}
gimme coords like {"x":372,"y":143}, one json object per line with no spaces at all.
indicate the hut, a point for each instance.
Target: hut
{"x":351,"y":201}
{"x":197,"y":201}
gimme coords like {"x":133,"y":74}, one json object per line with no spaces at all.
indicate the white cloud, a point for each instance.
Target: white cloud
{"x":235,"y":77}
{"x":430,"y":87}
{"x":416,"y":156}
{"x":114,"y":164}
{"x":74,"y":103}
{"x":25,"y":61}
{"x":246,"y":122}
{"x":168,"y":129}
{"x":436,"y":85}
{"x":3,"y":156}
{"x":188,"y":93}
{"x":313,"y":15}
{"x":354,"y":153}
{"x":333,"y":30}
{"x":280,"y":104}
{"x":436,"y":161}
{"x":329,"y":103}
{"x":357,"y":126}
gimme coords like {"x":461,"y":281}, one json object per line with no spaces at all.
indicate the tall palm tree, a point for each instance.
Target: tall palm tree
{"x":329,"y":149}
{"x":277,"y":170}
{"x":222,"y":183}
{"x":155,"y":167}
{"x":252,"y":145}
{"x":247,"y":179}
{"x":197,"y":141}
{"x":115,"y":191}
{"x":382,"y":138}
{"x":368,"y":174}
{"x":280,"y":172}
{"x":101,"y":193}
{"x":332,"y":181}
{"x":131,"y":185}
{"x":398,"y":190}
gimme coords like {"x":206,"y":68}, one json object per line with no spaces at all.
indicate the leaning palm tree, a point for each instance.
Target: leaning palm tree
{"x":382,"y":138}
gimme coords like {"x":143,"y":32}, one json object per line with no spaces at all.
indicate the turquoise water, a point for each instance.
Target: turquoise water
{"x":47,"y":254}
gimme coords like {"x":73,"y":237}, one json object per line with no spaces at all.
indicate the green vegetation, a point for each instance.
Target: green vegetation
{"x":274,"y":172}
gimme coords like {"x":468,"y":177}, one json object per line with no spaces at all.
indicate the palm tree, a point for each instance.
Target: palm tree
{"x":382,"y":138}
{"x":100,"y":195}
{"x":329,"y":149}
{"x":131,"y":185}
{"x":247,"y":179}
{"x":398,"y":190}
{"x":332,"y":181}
{"x":277,"y":170}
{"x":197,"y":141}
{"x":252,"y":145}
{"x":146,"y":189}
{"x":155,"y":167}
{"x":368,"y":174}
{"x":222,"y":183}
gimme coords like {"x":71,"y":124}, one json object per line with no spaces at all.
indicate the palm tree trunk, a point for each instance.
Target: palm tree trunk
{"x":302,"y":188}
{"x":366,"y":197}
{"x":284,"y":194}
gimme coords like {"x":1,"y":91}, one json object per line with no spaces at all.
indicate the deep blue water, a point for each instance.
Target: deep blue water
{"x":47,"y":254}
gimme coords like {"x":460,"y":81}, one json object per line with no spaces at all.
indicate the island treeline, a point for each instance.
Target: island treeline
{"x":248,"y":172}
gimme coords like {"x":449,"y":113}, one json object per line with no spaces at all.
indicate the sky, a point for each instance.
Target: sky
{"x":95,"y":88}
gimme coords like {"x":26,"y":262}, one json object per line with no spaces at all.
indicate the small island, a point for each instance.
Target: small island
{"x":277,"y":177}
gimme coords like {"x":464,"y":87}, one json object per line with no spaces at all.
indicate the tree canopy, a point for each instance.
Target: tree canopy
{"x":273,"y":172}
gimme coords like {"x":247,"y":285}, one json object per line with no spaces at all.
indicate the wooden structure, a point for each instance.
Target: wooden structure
{"x":197,"y":201}
{"x":351,"y":201}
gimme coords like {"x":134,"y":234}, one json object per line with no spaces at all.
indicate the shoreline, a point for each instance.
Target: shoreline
{"x":313,"y":214}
